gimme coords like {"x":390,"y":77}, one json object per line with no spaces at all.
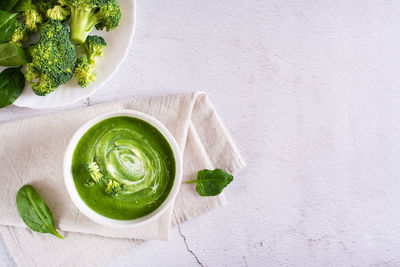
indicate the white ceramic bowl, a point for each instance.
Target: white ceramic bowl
{"x":81,"y":205}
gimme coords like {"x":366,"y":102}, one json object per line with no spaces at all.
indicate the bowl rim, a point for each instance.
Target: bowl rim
{"x":69,"y":181}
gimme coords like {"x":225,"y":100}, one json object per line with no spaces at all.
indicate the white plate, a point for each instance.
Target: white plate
{"x":118,"y":43}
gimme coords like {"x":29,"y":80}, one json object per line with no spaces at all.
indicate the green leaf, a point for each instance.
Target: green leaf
{"x":12,"y":54}
{"x":23,"y":5}
{"x":211,"y":182}
{"x":12,"y":82}
{"x":34,"y":212}
{"x":7,"y":25}
{"x":7,"y":5}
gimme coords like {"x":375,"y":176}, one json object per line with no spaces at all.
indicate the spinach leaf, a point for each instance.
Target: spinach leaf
{"x":13,"y":55}
{"x":7,"y":5}
{"x":34,"y":212}
{"x":12,"y":82}
{"x":211,"y":182}
{"x":7,"y":25}
{"x":23,"y":5}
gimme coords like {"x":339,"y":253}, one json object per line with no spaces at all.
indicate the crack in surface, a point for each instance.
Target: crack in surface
{"x":187,"y":247}
{"x":88,"y":102}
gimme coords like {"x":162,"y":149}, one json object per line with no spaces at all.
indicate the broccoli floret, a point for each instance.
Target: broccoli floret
{"x":43,"y":5}
{"x":57,"y":13}
{"x":94,"y":47}
{"x":32,"y":18}
{"x":84,"y":71}
{"x":95,"y":175}
{"x":34,"y":12}
{"x":113,"y":187}
{"x":85,"y":14}
{"x":19,"y":34}
{"x":53,"y":58}
{"x":39,"y":81}
{"x":110,"y":14}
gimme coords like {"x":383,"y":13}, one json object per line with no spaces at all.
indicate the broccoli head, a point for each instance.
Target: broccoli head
{"x":34,"y":12}
{"x":94,"y":47}
{"x":86,"y":14}
{"x":19,"y":34}
{"x":32,"y":18}
{"x":84,"y":71}
{"x":43,"y":5}
{"x":110,"y":14}
{"x":113,"y":187}
{"x":53,"y":58}
{"x":39,"y":81}
{"x":57,"y":13}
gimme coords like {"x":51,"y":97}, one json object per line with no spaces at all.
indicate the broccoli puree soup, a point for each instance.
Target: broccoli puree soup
{"x":123,"y":168}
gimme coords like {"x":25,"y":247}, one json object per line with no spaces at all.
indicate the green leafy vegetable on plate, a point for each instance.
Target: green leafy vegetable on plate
{"x":7,"y":5}
{"x":22,"y":5}
{"x":11,"y":54}
{"x":12,"y":82}
{"x":34,"y":211}
{"x":7,"y":25}
{"x":211,"y":182}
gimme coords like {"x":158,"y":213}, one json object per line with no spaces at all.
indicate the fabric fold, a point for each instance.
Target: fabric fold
{"x":32,"y":150}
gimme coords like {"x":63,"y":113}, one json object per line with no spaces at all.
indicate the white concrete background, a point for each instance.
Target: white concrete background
{"x":310,"y":92}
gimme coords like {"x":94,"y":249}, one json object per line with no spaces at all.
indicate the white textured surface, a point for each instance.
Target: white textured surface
{"x":310,"y":92}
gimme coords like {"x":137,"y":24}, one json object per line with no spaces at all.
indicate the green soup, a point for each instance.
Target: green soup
{"x":128,"y":153}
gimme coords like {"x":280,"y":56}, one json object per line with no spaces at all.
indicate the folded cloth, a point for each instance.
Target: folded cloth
{"x":32,"y":151}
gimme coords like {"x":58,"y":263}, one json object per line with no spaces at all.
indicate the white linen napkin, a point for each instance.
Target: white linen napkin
{"x":32,"y":151}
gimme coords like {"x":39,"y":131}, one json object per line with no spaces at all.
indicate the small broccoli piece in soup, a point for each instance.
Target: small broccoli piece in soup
{"x":95,"y":175}
{"x":113,"y":188}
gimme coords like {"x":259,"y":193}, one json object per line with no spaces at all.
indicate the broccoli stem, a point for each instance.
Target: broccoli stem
{"x":81,"y":24}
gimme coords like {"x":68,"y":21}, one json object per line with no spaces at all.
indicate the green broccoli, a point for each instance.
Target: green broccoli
{"x":84,"y":71}
{"x":32,"y":18}
{"x":44,"y":5}
{"x":92,"y":48}
{"x":113,"y":187}
{"x":19,"y":34}
{"x":95,"y":175}
{"x":34,"y":12}
{"x":53,"y":58}
{"x":57,"y":13}
{"x":38,"y":79}
{"x":85,"y":14}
